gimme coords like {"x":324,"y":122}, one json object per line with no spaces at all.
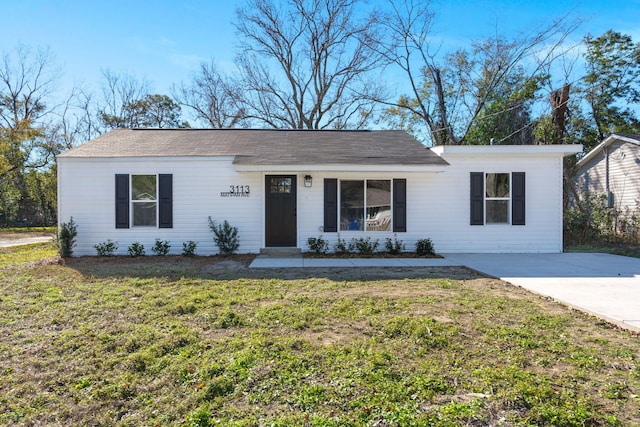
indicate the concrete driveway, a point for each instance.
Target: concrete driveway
{"x":607,"y":286}
{"x":6,"y":242}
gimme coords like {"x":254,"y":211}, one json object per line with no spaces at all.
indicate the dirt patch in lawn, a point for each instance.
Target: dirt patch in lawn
{"x":237,"y":266}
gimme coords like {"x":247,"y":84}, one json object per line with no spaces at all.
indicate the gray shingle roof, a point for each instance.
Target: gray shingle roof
{"x":263,"y":147}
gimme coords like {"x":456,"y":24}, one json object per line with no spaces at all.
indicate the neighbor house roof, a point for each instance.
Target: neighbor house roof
{"x":626,"y":137}
{"x":255,"y":147}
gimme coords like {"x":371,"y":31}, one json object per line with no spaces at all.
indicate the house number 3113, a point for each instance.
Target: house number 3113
{"x":239,"y":189}
{"x":236,"y":191}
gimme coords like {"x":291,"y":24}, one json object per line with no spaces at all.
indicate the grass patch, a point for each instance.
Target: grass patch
{"x":172,"y":341}
{"x":20,"y":255}
{"x":632,"y":250}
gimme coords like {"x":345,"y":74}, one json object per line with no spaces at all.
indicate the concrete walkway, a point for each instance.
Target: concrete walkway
{"x":607,"y":286}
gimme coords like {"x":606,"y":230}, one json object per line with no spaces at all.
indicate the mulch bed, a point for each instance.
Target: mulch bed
{"x":374,"y":255}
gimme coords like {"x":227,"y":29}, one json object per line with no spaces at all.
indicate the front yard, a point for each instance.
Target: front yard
{"x":203,"y":341}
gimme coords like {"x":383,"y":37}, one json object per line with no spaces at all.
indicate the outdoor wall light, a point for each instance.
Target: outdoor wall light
{"x":308,"y":180}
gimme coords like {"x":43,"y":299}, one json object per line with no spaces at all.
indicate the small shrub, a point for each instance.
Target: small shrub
{"x":189,"y":248}
{"x":317,"y":245}
{"x":225,"y":237}
{"x":65,"y":239}
{"x":200,"y":418}
{"x":341,"y":246}
{"x":424,"y":247}
{"x":395,"y":246}
{"x":107,"y":248}
{"x":136,"y":249}
{"x":364,"y":246}
{"x":218,"y":387}
{"x":228,"y":319}
{"x":161,"y":247}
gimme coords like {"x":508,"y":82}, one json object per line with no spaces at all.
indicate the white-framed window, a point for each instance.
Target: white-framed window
{"x":144,"y":200}
{"x":365,"y":205}
{"x":497,"y":198}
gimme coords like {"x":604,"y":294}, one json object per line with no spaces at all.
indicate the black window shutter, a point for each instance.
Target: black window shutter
{"x":165,"y":200}
{"x":399,"y":205}
{"x":330,"y":205}
{"x":122,"y":201}
{"x":477,"y":198}
{"x":517,"y":198}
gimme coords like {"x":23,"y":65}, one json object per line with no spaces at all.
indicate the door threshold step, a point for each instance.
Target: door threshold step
{"x":281,"y":252}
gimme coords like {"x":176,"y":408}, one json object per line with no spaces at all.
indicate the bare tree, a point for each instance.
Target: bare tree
{"x":27,"y":79}
{"x":76,"y":122}
{"x":304,"y":63}
{"x":212,"y":97}
{"x":449,"y":92}
{"x":118,"y":92}
{"x":153,"y":111}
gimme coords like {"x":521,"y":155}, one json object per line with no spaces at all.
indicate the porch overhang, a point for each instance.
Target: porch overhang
{"x":294,"y":168}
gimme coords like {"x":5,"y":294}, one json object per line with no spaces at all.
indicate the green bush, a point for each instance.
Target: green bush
{"x":225,"y":237}
{"x":341,"y":247}
{"x":136,"y":249}
{"x":395,"y":246}
{"x":628,"y":225}
{"x":317,"y":245}
{"x":189,"y":248}
{"x":364,"y":246}
{"x":107,"y":248}
{"x":65,"y":238}
{"x":424,"y":247}
{"x":161,"y":247}
{"x":591,"y":221}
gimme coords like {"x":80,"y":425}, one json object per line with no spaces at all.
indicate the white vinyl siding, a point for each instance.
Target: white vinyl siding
{"x":624,"y":175}
{"x":437,"y":204}
{"x":453,"y":233}
{"x":87,"y":193}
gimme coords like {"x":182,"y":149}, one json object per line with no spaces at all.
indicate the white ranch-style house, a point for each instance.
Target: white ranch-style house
{"x":281,"y":187}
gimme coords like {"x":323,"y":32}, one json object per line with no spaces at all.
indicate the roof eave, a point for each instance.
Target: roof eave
{"x":520,"y":150}
{"x":607,"y":142}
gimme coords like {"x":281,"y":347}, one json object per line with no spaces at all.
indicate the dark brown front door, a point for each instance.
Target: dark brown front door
{"x":280,"y":210}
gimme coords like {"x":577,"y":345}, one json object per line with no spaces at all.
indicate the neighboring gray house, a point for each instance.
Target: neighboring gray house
{"x":613,"y":168}
{"x":281,"y":187}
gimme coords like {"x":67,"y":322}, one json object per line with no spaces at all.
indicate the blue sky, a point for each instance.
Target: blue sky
{"x":165,"y":41}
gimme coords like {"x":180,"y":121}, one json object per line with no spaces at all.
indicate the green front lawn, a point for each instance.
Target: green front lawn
{"x":194,"y":342}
